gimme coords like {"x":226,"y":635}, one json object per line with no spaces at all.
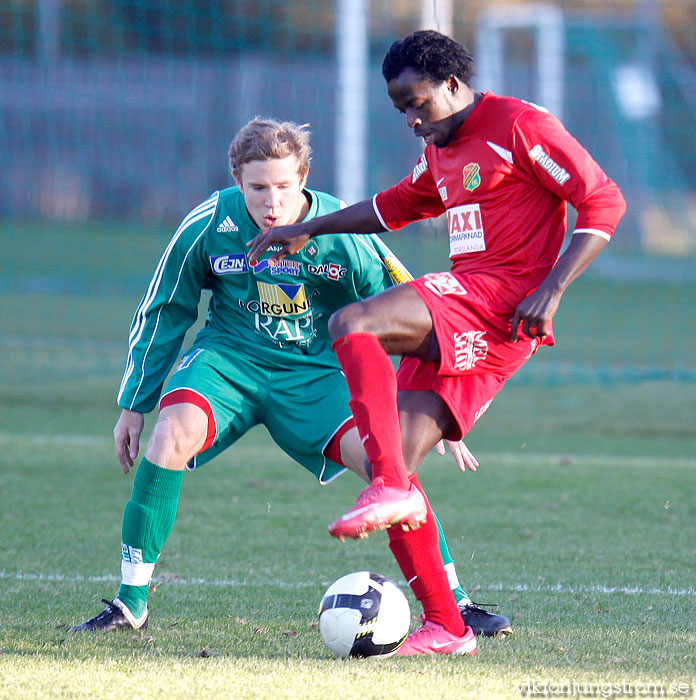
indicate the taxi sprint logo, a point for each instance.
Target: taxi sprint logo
{"x":281,"y":300}
{"x":465,"y":229}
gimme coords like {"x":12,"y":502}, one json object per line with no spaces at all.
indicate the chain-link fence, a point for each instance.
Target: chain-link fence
{"x":122,"y":110}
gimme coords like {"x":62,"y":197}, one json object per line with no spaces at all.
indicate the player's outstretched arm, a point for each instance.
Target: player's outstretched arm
{"x":463,"y":456}
{"x":536,"y":311}
{"x":127,"y":437}
{"x":358,"y":218}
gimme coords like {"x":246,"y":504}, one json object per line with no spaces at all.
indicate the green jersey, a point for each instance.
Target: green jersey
{"x":278,"y":314}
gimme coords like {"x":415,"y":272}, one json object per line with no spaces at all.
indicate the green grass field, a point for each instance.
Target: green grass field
{"x":580,"y":523}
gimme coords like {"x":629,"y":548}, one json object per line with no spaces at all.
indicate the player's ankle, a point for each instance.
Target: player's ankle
{"x":133,"y":600}
{"x":393,"y":477}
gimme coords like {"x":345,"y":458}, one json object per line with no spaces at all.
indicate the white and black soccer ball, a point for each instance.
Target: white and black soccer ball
{"x":364,"y":614}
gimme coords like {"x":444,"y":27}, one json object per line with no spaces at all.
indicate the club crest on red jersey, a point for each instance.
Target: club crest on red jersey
{"x":471,"y":176}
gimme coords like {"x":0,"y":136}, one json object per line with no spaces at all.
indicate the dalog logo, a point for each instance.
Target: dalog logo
{"x":332,"y":271}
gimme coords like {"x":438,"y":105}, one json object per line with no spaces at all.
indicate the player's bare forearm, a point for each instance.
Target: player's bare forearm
{"x":358,"y":218}
{"x":582,"y":250}
{"x":536,"y":311}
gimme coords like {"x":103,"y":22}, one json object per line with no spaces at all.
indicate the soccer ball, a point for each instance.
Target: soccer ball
{"x":364,"y":614}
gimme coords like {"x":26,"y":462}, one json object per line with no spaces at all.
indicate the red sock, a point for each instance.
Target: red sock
{"x":371,"y":381}
{"x":420,"y":561}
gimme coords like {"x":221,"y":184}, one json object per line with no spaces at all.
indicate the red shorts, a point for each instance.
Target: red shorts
{"x":477,"y":357}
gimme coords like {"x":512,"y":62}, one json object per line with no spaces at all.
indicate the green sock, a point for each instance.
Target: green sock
{"x":459,"y":592}
{"x":148,"y":519}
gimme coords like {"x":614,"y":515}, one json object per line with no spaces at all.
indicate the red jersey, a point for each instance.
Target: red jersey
{"x":504,"y":181}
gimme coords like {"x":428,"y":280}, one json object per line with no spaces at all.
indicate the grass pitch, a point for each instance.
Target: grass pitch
{"x":591,"y":557}
{"x":580,"y":523}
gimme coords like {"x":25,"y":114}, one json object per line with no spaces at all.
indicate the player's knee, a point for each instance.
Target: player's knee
{"x":411,"y":468}
{"x":346,"y":320}
{"x":174,"y":438}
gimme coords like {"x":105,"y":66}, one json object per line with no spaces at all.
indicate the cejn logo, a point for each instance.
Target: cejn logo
{"x":228,"y":264}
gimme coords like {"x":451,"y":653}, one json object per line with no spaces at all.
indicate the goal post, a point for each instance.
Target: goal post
{"x":351,"y":118}
{"x":547,"y":23}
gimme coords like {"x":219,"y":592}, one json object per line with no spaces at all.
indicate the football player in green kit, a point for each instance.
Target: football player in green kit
{"x":263,"y":356}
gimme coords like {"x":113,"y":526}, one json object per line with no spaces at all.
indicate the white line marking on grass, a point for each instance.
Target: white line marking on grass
{"x":171,"y":580}
{"x":241,"y":583}
{"x":569,"y":460}
{"x":57,"y":439}
{"x":564,"y":460}
{"x":52,"y":343}
{"x":594,"y":588}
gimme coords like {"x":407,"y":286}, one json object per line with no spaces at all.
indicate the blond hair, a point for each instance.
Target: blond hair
{"x":265,"y":139}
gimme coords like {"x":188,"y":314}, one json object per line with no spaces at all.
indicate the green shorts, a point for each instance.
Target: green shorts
{"x":301,"y":404}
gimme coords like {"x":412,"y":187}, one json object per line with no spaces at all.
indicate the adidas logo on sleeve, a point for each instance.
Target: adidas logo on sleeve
{"x":227,"y":226}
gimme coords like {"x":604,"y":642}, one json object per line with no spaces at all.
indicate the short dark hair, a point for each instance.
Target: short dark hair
{"x":432,"y":55}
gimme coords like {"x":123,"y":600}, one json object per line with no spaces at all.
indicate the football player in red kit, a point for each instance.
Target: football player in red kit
{"x":503,"y":171}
